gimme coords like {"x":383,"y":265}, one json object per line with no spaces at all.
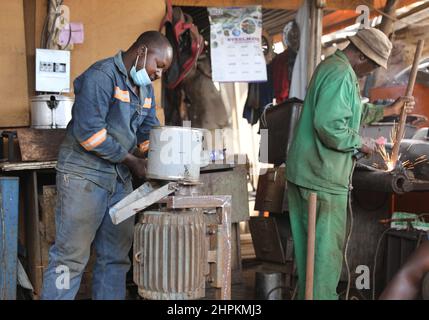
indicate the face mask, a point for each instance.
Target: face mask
{"x":140,"y":78}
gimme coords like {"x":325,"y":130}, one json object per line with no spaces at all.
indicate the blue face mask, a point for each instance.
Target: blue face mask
{"x":140,"y":78}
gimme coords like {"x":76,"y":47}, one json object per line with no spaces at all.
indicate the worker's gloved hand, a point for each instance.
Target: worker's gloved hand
{"x":381,"y":141}
{"x":396,"y":107}
{"x":136,"y":165}
{"x":369,"y":145}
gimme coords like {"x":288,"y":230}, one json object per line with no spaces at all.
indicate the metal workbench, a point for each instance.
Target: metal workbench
{"x":9,"y":195}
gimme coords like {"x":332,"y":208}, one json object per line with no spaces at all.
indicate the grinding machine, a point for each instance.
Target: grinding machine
{"x":183,"y":240}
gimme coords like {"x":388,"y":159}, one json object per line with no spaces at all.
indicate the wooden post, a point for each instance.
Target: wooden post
{"x":408,"y":93}
{"x":311,"y":243}
{"x":386,"y":26}
{"x":315,"y":49}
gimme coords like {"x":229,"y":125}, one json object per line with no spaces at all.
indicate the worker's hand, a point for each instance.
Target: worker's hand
{"x":369,"y":145}
{"x":396,"y":107}
{"x":136,"y":165}
{"x":139,"y":153}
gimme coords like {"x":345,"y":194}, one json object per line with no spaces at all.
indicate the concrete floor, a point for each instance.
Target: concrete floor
{"x":244,"y":290}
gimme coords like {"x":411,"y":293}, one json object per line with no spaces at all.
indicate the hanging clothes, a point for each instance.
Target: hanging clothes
{"x":260,"y":94}
{"x":282,"y":74}
{"x":299,"y":81}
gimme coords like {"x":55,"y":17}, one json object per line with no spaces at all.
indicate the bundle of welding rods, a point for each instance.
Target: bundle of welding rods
{"x":411,"y":164}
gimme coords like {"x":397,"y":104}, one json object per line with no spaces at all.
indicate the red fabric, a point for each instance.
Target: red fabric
{"x":281,"y":77}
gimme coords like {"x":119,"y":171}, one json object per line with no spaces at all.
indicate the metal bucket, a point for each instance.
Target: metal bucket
{"x":176,"y":153}
{"x":51,"y":111}
{"x":268,"y":285}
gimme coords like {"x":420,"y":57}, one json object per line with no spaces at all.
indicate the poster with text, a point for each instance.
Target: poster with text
{"x":235,"y":44}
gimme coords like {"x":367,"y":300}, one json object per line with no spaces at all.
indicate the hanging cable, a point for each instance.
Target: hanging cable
{"x":350,"y":211}
{"x":375,"y":261}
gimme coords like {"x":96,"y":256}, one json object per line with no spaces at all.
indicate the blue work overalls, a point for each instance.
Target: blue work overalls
{"x":108,"y":121}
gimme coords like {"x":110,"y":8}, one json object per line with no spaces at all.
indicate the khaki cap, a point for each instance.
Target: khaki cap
{"x":374,"y":44}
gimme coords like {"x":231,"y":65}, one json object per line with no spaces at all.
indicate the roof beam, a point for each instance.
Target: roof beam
{"x":281,"y":4}
{"x":268,"y":4}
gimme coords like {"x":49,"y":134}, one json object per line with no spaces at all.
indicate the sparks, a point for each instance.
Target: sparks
{"x":387,"y":158}
{"x":390,"y":165}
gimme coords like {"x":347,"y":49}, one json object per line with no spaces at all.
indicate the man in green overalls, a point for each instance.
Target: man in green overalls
{"x":320,"y":157}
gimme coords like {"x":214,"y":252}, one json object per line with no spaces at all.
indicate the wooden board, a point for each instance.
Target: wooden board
{"x":22,"y":166}
{"x":47,"y":204}
{"x":40,"y":145}
{"x":13,"y":65}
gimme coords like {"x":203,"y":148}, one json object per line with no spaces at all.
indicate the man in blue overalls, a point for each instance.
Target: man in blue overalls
{"x":113,"y":113}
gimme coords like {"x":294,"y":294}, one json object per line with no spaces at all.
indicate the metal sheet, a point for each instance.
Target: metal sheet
{"x":9,"y":198}
{"x":271,"y":190}
{"x":139,"y":199}
{"x":280,"y":121}
{"x":266,"y":239}
{"x":228,"y":182}
{"x":400,"y":245}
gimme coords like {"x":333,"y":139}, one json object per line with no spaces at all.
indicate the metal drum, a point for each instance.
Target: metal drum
{"x":51,"y":111}
{"x":170,"y":255}
{"x":176,"y":153}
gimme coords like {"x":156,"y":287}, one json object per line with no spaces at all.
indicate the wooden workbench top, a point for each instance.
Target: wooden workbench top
{"x":20,"y":166}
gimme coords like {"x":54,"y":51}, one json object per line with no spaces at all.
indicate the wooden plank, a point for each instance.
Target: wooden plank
{"x":40,"y":145}
{"x":236,"y":266}
{"x":30,"y":43}
{"x":13,"y":65}
{"x":20,"y":166}
{"x":33,"y":233}
{"x":47,"y":203}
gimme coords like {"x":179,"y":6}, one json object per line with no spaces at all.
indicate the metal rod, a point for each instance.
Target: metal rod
{"x":311,"y":238}
{"x":408,"y":93}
